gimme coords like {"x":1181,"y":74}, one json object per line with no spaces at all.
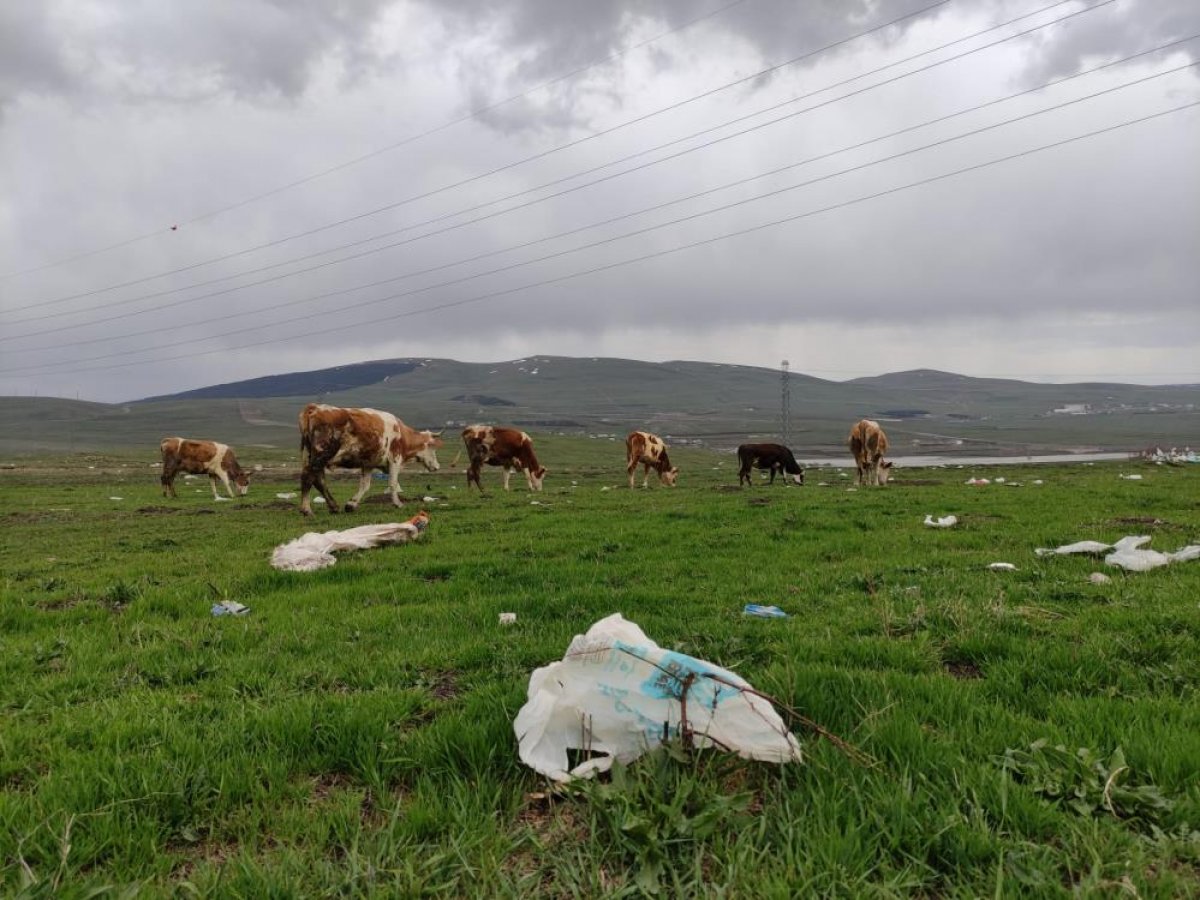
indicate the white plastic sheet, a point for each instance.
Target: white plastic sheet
{"x":616,"y":693}
{"x":941,"y":522}
{"x":1128,"y":553}
{"x":315,"y":550}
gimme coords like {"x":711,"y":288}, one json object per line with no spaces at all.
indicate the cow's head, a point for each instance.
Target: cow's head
{"x":669,"y":476}
{"x":885,"y":470}
{"x":798,"y":477}
{"x":242,"y":479}
{"x":536,"y":476}
{"x":427,"y":455}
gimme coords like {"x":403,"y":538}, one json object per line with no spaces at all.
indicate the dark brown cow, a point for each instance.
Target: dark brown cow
{"x":505,"y":447}
{"x":650,"y":451}
{"x":868,"y":443}
{"x":201,"y":458}
{"x":363,"y":439}
{"x":775,"y":457}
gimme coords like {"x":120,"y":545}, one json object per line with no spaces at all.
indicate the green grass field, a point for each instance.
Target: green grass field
{"x":352,"y":735}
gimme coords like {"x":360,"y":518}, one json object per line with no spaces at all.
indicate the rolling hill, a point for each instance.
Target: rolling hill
{"x":708,"y":404}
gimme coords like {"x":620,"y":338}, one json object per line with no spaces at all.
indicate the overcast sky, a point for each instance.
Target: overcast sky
{"x":171,"y":174}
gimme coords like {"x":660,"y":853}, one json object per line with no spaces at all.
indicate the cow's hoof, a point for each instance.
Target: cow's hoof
{"x":350,"y":507}
{"x":307,"y":513}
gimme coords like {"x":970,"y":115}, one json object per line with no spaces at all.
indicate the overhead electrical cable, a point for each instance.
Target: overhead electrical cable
{"x":540,"y":155}
{"x":471,"y":114}
{"x":452,"y":304}
{"x":557,"y":181}
{"x":343,"y":291}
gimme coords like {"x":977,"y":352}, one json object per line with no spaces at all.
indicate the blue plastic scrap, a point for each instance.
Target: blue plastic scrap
{"x":764,"y":612}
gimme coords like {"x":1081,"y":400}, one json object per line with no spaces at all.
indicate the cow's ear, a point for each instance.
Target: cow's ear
{"x":887,"y":465}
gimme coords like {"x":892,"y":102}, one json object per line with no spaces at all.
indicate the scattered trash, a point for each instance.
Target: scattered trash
{"x":536,"y":503}
{"x":1092,"y":547}
{"x":1125,"y":477}
{"x":315,"y":550}
{"x":1127,"y":553}
{"x":229,"y":608}
{"x":616,"y":694}
{"x":764,"y":612}
{"x":1038,"y":481}
{"x":822,"y":484}
{"x":1099,"y":578}
{"x":976,"y":481}
{"x":508,"y":618}
{"x":430,"y":499}
{"x":1000,"y":480}
{"x":605,"y":488}
{"x":287,"y":495}
{"x":943,"y":522}
{"x":217,"y":498}
{"x":1002,"y":567}
{"x":318,"y":499}
{"x":116,"y":498}
{"x":851,"y":490}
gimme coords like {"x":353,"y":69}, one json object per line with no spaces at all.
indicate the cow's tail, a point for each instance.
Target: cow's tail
{"x":456,"y":458}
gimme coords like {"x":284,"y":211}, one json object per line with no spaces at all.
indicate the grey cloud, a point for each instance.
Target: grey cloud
{"x":554,"y":37}
{"x":258,"y":49}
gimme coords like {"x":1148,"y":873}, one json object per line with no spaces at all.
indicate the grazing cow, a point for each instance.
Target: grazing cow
{"x":775,"y":457}
{"x":201,"y":458}
{"x":868,"y":443}
{"x":505,"y":447}
{"x":649,"y":450}
{"x":363,"y":439}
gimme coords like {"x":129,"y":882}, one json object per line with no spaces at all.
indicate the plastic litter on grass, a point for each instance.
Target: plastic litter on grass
{"x":315,"y":550}
{"x":616,"y":694}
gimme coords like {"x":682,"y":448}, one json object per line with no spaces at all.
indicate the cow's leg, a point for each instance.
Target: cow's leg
{"x":645,"y":476}
{"x":772,"y":481}
{"x":629,"y":470}
{"x":364,"y":485}
{"x":529,"y":479}
{"x":394,"y":468}
{"x":323,"y":487}
{"x":224,"y":476}
{"x":170,"y":470}
{"x":473,"y":475}
{"x":507,"y":475}
{"x":212,"y":482}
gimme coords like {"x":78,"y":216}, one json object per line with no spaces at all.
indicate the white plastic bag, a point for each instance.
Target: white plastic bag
{"x":618,"y":694}
{"x":315,"y":550}
{"x":941,"y":522}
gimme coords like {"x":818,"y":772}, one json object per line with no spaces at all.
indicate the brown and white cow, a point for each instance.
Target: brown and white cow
{"x":775,"y":457}
{"x":868,"y":443}
{"x":505,"y":447}
{"x":363,"y":439}
{"x":650,"y":451}
{"x":201,"y":458}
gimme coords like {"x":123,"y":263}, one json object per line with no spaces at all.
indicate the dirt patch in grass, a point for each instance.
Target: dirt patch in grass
{"x":758,"y":501}
{"x":727,"y":488}
{"x":442,"y":685}
{"x":1145,"y":522}
{"x":213,"y":853}
{"x":962,"y":669}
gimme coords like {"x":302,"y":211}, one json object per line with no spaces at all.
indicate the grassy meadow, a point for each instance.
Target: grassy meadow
{"x":352,"y":735}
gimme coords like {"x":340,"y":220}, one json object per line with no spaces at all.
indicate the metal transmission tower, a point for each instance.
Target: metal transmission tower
{"x":785,"y":412}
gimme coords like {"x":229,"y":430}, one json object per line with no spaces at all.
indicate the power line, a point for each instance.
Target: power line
{"x":472,"y":114}
{"x":609,"y":221}
{"x":642,"y":258}
{"x":640,"y":167}
{"x":540,"y":155}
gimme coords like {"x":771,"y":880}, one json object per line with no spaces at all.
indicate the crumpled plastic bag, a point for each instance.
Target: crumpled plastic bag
{"x":618,"y":694}
{"x":1127,"y":553}
{"x":315,"y":550}
{"x":942,"y":522}
{"x":1132,"y":558}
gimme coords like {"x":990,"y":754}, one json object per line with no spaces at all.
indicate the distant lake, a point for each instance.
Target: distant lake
{"x":909,"y":462}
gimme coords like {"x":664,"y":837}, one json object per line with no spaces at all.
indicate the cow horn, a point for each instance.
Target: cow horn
{"x":438,"y":433}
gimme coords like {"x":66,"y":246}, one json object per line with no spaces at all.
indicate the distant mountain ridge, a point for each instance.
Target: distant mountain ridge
{"x":712,"y":404}
{"x":298,"y":384}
